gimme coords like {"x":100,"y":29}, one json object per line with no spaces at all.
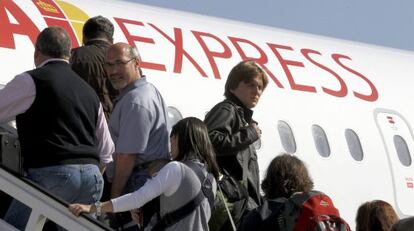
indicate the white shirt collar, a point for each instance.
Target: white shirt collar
{"x":50,"y":60}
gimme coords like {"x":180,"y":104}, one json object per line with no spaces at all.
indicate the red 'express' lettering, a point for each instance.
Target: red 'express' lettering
{"x":135,"y":38}
{"x":226,"y":53}
{"x":23,"y":25}
{"x":285,"y":65}
{"x":343,"y":90}
{"x":262,"y":60}
{"x":179,"y":50}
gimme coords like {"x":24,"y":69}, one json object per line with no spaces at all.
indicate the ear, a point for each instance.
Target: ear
{"x":36,"y":57}
{"x":137,"y":64}
{"x":138,"y":67}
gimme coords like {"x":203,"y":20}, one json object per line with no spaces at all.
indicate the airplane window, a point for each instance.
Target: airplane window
{"x":286,"y":137}
{"x":402,"y":150}
{"x":174,"y":115}
{"x":354,"y":145}
{"x":321,"y":141}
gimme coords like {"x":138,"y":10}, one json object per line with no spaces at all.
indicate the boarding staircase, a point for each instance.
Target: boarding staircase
{"x":44,"y":205}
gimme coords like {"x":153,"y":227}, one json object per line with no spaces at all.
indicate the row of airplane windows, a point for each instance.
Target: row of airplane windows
{"x":321,"y":140}
{"x":354,"y":144}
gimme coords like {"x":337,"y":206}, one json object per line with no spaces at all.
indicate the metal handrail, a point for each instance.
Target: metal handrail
{"x":44,"y":205}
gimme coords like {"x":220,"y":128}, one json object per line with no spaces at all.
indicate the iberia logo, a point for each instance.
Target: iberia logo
{"x":63,"y":14}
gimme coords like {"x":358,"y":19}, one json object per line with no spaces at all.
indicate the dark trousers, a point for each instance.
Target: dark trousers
{"x":123,"y":221}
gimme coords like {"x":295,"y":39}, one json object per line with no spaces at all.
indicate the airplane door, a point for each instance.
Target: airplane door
{"x":398,"y":139}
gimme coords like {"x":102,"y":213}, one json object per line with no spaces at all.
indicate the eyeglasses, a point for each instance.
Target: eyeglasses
{"x":118,"y":63}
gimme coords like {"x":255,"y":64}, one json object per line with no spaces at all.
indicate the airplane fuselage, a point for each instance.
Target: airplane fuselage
{"x":340,"y":106}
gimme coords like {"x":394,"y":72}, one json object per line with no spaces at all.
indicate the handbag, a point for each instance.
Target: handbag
{"x":10,"y":156}
{"x":232,"y":189}
{"x":229,"y":205}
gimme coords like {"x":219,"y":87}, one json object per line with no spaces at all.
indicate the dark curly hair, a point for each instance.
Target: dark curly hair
{"x":375,"y":215}
{"x":286,"y":175}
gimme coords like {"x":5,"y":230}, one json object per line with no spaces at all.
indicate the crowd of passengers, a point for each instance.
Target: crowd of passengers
{"x":92,"y":129}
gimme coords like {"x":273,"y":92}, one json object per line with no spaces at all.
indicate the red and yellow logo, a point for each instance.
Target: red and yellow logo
{"x":63,"y":14}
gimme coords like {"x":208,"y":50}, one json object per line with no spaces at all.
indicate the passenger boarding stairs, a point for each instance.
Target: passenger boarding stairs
{"x":44,"y":206}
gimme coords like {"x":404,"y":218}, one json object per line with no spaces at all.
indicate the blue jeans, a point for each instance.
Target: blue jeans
{"x":72,"y":183}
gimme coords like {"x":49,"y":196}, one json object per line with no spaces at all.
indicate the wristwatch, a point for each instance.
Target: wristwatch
{"x":98,"y":207}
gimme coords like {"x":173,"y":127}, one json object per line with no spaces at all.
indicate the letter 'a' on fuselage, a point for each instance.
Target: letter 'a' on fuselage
{"x":342,"y":107}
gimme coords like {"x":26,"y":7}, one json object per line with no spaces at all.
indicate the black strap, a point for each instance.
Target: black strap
{"x":145,"y":165}
{"x":204,"y":180}
{"x":175,"y":216}
{"x":178,"y":214}
{"x":299,"y":198}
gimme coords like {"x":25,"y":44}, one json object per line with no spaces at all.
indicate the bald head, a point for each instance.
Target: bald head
{"x":126,"y":49}
{"x":122,"y":65}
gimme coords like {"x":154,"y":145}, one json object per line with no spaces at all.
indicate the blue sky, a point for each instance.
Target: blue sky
{"x":381,"y":22}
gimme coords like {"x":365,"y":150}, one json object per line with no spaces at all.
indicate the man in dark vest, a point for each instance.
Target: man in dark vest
{"x":63,"y":133}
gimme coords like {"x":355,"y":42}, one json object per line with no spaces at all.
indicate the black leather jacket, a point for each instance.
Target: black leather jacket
{"x":230,"y":131}
{"x":88,"y":61}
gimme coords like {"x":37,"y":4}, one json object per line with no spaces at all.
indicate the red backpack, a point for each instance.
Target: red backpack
{"x":311,"y":211}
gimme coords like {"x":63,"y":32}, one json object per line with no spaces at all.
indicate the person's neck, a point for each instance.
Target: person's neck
{"x":43,"y":59}
{"x":236,"y":100}
{"x":97,"y":39}
{"x":131,"y":83}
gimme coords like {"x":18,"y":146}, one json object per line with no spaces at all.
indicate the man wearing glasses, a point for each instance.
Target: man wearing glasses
{"x":138,"y":123}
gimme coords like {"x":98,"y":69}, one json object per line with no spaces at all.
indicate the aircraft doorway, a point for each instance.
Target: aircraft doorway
{"x":398,"y":139}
